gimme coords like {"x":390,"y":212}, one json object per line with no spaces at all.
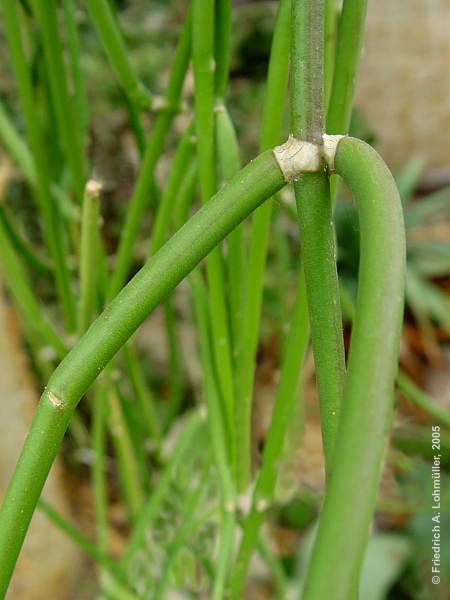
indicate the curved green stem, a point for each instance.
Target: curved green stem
{"x":368,"y":397}
{"x":246,"y":191}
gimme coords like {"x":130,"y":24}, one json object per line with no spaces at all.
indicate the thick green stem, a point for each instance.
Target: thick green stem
{"x":307,"y":44}
{"x":318,"y":253}
{"x":368,"y":397}
{"x":246,"y":191}
{"x":315,"y":218}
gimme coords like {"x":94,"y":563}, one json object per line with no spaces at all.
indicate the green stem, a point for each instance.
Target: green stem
{"x":88,"y":267}
{"x":331,"y":17}
{"x":222,"y":37}
{"x":256,"y":182}
{"x":347,"y":55}
{"x":152,"y":153}
{"x":105,"y":23}
{"x":142,"y":393}
{"x":175,"y":367}
{"x":404,"y":383}
{"x":315,"y":218}
{"x":422,"y":400}
{"x":277,"y":78}
{"x":287,"y":392}
{"x":98,"y":475}
{"x":307,"y":42}
{"x":368,"y":398}
{"x":176,"y":175}
{"x":16,"y":146}
{"x":203,"y":63}
{"x":230,"y":163}
{"x":80,"y":98}
{"x":20,"y":289}
{"x":23,"y":248}
{"x":318,"y":252}
{"x":127,"y":463}
{"x":46,"y":13}
{"x":54,"y":232}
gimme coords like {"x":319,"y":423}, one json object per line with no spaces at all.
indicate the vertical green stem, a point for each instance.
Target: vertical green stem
{"x":230,"y":163}
{"x":203,"y":62}
{"x":128,"y":467}
{"x":152,"y":153}
{"x":20,"y":289}
{"x":46,"y":17}
{"x":277,"y":78}
{"x":331,"y":16}
{"x":54,"y":232}
{"x":307,"y":43}
{"x":287,"y":392}
{"x":88,"y":267}
{"x":222,"y":46}
{"x":176,"y":175}
{"x":142,"y":393}
{"x":109,"y":33}
{"x":315,"y":218}
{"x":98,"y":475}
{"x":79,"y":88}
{"x":348,"y":52}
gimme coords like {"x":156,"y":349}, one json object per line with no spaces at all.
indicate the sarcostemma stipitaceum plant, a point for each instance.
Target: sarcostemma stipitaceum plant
{"x":355,"y":399}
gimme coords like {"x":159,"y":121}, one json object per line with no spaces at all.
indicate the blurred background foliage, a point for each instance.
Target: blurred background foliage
{"x":398,"y":562}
